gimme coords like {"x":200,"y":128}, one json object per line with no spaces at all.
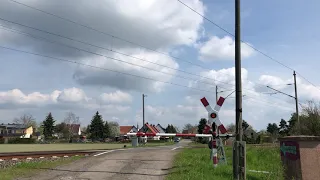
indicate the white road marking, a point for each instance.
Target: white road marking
{"x":103,"y":153}
{"x":266,"y":172}
{"x":175,"y":148}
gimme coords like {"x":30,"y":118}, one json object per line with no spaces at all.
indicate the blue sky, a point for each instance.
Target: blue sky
{"x":285,"y":30}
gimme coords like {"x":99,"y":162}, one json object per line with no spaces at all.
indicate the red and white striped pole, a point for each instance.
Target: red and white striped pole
{"x":214,"y":146}
{"x":175,"y":134}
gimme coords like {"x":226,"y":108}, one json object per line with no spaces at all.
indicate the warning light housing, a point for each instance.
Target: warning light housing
{"x":213,"y":115}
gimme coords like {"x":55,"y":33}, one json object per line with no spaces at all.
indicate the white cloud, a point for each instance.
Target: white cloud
{"x":68,"y":98}
{"x":222,"y":49}
{"x":116,"y":97}
{"x":152,"y":24}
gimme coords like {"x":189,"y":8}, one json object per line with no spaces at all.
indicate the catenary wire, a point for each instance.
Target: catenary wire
{"x":105,"y":69}
{"x":51,"y":41}
{"x":111,"y":35}
{"x":259,"y":51}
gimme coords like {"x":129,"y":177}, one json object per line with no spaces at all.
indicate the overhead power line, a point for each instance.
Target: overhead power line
{"x":133,"y":64}
{"x":259,"y":51}
{"x":110,"y":70}
{"x":101,"y":68}
{"x":113,"y":36}
{"x":107,"y":57}
{"x":115,"y":59}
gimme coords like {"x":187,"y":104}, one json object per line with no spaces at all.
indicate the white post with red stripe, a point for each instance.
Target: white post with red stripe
{"x":213,"y":119}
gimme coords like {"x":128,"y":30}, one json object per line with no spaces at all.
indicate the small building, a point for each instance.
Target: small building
{"x":75,"y":129}
{"x":150,"y":128}
{"x":16,"y":130}
{"x":127,"y":129}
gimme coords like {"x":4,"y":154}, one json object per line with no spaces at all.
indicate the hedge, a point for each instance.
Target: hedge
{"x":21,"y":141}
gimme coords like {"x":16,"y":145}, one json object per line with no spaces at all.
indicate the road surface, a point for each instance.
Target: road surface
{"x":152,"y":163}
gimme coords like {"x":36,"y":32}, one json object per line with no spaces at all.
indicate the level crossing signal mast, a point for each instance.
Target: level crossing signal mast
{"x":217,"y":130}
{"x":214,"y":130}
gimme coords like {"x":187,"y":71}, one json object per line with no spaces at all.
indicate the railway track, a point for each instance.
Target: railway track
{"x":45,"y":154}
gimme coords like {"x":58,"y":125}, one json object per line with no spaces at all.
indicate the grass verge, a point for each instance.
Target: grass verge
{"x":24,"y":169}
{"x":196,"y":164}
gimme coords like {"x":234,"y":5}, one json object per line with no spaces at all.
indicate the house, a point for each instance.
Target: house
{"x":127,"y":129}
{"x":150,"y":128}
{"x":16,"y":130}
{"x":160,"y":128}
{"x":75,"y":129}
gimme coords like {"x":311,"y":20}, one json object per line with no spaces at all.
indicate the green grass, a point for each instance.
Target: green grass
{"x":196,"y":164}
{"x":56,"y":147}
{"x":32,"y":168}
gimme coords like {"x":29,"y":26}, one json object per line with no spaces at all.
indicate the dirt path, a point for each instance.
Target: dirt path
{"x":134,"y":164}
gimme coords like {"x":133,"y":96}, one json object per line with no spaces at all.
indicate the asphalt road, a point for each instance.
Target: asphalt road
{"x":152,"y":163}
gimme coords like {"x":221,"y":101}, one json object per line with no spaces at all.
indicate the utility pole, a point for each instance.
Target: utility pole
{"x":296,"y":98}
{"x":216,"y":93}
{"x":143,"y":95}
{"x":239,"y":154}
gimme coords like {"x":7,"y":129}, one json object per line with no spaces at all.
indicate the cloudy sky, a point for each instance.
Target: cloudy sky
{"x":124,"y":48}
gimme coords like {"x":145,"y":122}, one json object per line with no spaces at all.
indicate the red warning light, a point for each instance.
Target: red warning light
{"x":213,"y":115}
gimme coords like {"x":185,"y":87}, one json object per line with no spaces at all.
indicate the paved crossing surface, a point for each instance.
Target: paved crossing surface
{"x":152,"y":163}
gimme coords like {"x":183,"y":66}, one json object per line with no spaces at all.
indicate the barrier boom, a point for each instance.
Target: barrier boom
{"x":176,"y":134}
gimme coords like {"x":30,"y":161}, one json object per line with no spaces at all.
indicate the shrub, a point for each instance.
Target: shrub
{"x":21,"y":141}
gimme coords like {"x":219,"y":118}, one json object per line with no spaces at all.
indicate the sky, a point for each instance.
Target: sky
{"x":123,"y":49}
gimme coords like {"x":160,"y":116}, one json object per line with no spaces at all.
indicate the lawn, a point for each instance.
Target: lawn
{"x":32,"y":168}
{"x":194,"y":163}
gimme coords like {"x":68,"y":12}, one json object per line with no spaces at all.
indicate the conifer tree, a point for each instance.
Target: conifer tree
{"x":97,"y":127}
{"x":48,"y":126}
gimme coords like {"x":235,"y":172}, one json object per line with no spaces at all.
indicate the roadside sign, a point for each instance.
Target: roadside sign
{"x":290,"y":150}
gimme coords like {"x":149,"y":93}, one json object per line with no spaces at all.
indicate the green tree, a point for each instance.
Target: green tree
{"x":245,"y":125}
{"x":48,"y":126}
{"x":283,"y":127}
{"x":106,"y":130}
{"x":96,"y":127}
{"x":201,"y":125}
{"x":62,"y":129}
{"x":272,"y":128}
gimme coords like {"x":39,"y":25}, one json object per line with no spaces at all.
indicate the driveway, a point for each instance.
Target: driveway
{"x":152,"y":163}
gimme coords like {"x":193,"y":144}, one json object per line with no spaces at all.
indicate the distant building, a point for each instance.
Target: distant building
{"x":149,"y":128}
{"x":16,"y":130}
{"x":127,"y":129}
{"x":75,"y":129}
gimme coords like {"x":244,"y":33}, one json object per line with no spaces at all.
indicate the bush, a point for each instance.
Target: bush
{"x":2,"y":141}
{"x":21,"y":141}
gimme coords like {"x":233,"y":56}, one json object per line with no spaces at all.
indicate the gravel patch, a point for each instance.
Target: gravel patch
{"x":9,"y":163}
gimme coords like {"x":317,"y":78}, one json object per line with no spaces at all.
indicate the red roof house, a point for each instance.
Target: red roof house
{"x":126,"y":129}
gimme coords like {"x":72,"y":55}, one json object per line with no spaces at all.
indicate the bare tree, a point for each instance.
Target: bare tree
{"x":188,"y":126}
{"x":71,"y":120}
{"x":26,"y":119}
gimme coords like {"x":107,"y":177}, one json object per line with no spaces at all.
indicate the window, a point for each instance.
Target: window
{"x":1,"y":132}
{"x":10,"y":131}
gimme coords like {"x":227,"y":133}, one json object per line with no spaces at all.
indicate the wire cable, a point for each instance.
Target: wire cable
{"x":56,"y":42}
{"x":111,"y":35}
{"x":72,"y":39}
{"x":133,"y":64}
{"x":264,"y":54}
{"x":101,"y":68}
